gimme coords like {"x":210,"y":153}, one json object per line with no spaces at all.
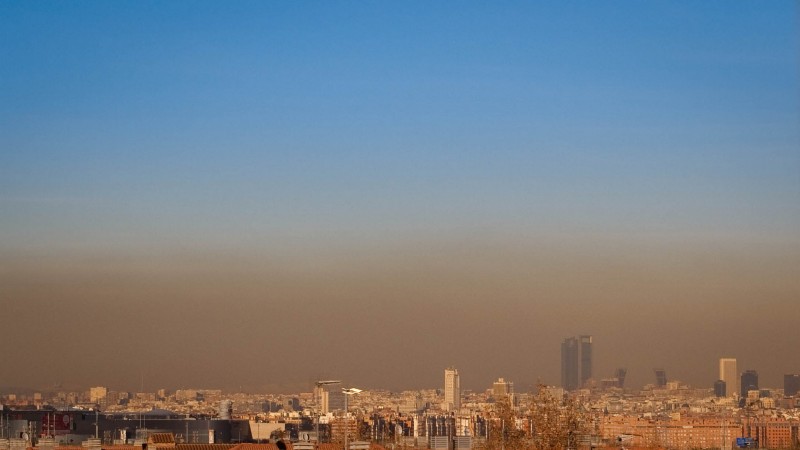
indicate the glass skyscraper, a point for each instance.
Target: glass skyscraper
{"x":576,"y":362}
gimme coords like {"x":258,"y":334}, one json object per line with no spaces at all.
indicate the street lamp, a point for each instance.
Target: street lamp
{"x":348,"y":392}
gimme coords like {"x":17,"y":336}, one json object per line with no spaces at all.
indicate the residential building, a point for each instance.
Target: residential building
{"x":97,"y":394}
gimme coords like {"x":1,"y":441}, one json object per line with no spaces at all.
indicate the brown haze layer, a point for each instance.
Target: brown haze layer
{"x":394,"y":315}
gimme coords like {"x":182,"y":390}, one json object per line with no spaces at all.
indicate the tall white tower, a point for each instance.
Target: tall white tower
{"x":729,"y":374}
{"x":452,"y":390}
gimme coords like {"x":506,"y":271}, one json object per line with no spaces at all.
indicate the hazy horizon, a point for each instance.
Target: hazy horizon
{"x":207,"y":195}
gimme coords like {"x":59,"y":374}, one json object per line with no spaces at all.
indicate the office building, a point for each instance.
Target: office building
{"x":729,"y":374}
{"x":332,"y":399}
{"x":619,"y":374}
{"x":661,"y":378}
{"x":452,"y":390}
{"x":576,"y":362}
{"x":719,"y":388}
{"x":749,"y":382}
{"x":502,"y":389}
{"x":791,"y":384}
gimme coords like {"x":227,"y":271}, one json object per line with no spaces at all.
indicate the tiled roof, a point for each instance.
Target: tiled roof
{"x":340,"y":446}
{"x":205,"y":446}
{"x":261,"y":446}
{"x":161,"y":438}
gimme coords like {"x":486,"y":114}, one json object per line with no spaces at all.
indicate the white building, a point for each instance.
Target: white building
{"x":729,"y":374}
{"x":452,"y":390}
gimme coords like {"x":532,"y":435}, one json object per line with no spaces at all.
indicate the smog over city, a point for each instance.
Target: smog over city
{"x":254,"y":196}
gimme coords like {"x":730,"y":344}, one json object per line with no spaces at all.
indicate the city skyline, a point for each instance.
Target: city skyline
{"x":95,"y":394}
{"x":265,"y":195}
{"x":451,"y":389}
{"x":416,"y":419}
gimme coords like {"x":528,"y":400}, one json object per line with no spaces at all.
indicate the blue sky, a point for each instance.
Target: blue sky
{"x":670,"y":115}
{"x":660,"y":138}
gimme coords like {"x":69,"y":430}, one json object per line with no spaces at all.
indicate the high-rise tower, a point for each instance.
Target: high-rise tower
{"x":619,"y":374}
{"x":728,"y":374}
{"x":791,"y":384}
{"x":749,"y":382}
{"x":576,"y":362}
{"x":719,"y":388}
{"x":661,"y":377}
{"x":452,"y":390}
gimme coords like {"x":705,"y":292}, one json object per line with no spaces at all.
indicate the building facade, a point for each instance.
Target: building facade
{"x":728,"y":373}
{"x":97,"y":394}
{"x":791,"y":384}
{"x":576,"y":362}
{"x":502,"y":389}
{"x":332,"y":400}
{"x":452,"y":390}
{"x":775,"y":432}
{"x":661,"y":377}
{"x":719,"y":388}
{"x":677,"y":434}
{"x":749,"y":382}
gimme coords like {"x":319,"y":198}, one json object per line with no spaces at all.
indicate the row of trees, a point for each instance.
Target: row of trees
{"x":550,"y":424}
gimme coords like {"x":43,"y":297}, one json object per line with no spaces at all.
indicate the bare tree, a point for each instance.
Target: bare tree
{"x":558,"y":423}
{"x":502,"y":429}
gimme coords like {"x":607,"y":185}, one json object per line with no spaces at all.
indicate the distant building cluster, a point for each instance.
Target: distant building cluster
{"x":735,"y":412}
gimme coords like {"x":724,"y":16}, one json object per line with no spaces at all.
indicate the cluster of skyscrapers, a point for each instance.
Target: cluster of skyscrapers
{"x":745,"y":384}
{"x":576,"y":373}
{"x":576,"y":362}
